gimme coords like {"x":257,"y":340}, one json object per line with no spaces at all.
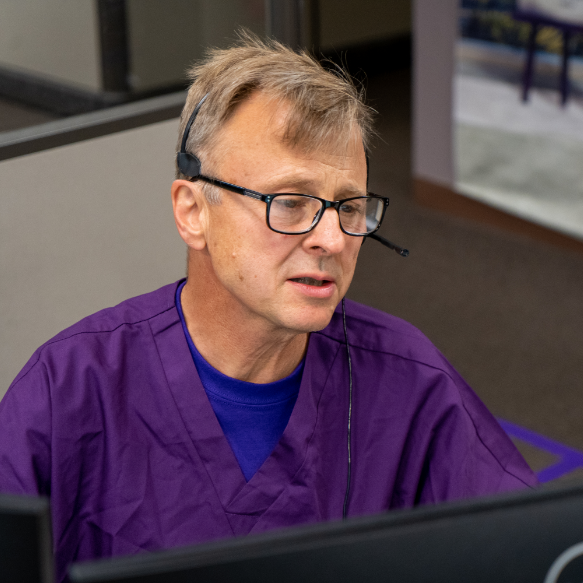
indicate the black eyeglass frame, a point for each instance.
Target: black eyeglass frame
{"x":326,"y":204}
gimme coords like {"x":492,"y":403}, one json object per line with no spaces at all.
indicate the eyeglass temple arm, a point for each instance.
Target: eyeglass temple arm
{"x":232,"y":187}
{"x":402,"y":252}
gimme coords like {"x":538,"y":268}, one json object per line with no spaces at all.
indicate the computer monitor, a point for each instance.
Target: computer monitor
{"x":532,"y":537}
{"x":25,"y":540}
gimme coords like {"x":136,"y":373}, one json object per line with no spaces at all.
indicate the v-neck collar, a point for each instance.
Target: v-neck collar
{"x":237,"y":496}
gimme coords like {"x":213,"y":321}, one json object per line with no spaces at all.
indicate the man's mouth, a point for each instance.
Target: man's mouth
{"x":309,"y":281}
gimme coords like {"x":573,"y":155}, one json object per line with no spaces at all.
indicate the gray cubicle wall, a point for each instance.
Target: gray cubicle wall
{"x":85,"y":225}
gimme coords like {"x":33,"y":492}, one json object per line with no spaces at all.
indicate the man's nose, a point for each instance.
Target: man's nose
{"x":327,"y":235}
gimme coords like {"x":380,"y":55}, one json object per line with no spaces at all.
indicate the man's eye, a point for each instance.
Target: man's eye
{"x":350,"y":209}
{"x":289,"y":203}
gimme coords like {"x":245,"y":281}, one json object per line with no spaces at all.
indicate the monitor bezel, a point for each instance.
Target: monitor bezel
{"x":294,"y":539}
{"x":37,"y":507}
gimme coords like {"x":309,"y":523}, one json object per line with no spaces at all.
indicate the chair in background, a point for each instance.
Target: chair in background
{"x":567,"y":17}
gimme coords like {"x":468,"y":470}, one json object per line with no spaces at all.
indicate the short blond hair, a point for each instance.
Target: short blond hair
{"x":326,"y":105}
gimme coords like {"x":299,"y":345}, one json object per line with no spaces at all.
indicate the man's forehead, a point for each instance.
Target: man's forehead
{"x":311,"y":185}
{"x":264,"y":116}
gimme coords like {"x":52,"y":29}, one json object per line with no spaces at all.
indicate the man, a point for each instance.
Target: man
{"x":251,"y":396}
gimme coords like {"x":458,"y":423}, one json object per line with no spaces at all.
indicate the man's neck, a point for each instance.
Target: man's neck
{"x":234,"y":343}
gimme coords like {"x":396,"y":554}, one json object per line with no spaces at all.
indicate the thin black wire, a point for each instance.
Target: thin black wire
{"x":347,"y":494}
{"x":189,"y":124}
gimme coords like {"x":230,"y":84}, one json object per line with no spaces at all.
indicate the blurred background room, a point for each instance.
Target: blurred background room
{"x":480,"y":149}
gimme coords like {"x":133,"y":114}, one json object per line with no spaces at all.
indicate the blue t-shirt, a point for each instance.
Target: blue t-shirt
{"x":252,"y":416}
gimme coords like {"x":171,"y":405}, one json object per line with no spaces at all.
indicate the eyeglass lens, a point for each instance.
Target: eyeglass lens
{"x":291,"y":213}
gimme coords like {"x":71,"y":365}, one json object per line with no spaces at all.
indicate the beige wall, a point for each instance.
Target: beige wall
{"x":83,"y":227}
{"x":348,"y":22}
{"x":56,"y":39}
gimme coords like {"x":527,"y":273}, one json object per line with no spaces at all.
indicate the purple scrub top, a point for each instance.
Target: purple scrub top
{"x":109,"y":419}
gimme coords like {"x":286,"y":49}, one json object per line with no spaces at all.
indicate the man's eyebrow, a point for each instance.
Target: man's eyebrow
{"x":308,"y":186}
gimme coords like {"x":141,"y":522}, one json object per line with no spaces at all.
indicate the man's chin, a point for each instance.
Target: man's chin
{"x":309,"y":320}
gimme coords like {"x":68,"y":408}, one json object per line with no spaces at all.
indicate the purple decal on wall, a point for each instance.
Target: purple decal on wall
{"x":569,"y":459}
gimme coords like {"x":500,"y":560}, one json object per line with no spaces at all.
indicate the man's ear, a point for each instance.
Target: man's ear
{"x":190,"y":208}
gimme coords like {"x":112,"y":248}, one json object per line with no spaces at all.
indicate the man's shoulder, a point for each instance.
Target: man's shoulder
{"x":131,"y":311}
{"x":372,"y":330}
{"x":98,"y":327}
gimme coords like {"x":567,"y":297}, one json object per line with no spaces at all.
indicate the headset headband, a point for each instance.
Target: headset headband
{"x":187,"y":163}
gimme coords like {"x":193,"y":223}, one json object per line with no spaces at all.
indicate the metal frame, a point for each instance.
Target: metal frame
{"x":90,"y":125}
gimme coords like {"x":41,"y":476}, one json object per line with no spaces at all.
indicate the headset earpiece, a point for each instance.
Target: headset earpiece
{"x":188,"y":164}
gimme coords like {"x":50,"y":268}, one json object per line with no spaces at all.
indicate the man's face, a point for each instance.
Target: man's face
{"x":287,"y":282}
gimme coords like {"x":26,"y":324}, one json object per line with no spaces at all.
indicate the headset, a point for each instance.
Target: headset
{"x":189,"y":165}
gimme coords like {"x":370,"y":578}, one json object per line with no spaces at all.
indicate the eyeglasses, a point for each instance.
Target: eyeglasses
{"x":296,"y":214}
